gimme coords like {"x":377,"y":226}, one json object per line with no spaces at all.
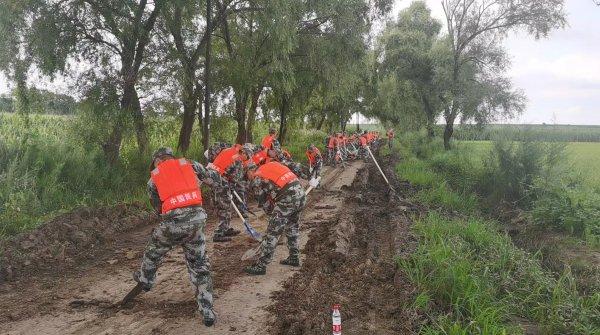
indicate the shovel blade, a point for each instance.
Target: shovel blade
{"x":251,"y":231}
{"x":132,"y":294}
{"x":251,"y":254}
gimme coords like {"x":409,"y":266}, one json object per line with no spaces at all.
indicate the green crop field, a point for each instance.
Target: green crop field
{"x":583,"y":156}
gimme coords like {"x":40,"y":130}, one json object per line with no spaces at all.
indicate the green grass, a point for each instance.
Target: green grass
{"x":586,"y":160}
{"x":56,"y":164}
{"x":473,"y":280}
{"x":583,"y":156}
{"x":536,"y":132}
{"x":442,"y":195}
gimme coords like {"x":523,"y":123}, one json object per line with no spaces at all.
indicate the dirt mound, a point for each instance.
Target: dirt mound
{"x":351,"y":261}
{"x":61,"y":242}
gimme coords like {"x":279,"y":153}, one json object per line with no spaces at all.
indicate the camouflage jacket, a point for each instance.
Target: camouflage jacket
{"x":207,"y":176}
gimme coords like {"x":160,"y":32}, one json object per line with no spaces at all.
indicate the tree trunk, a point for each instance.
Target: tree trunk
{"x":112,"y":146}
{"x":320,"y":124}
{"x":207,"y":83}
{"x":449,"y":129}
{"x":187,"y":124}
{"x":138,"y":122}
{"x":284,"y":109}
{"x":252,"y":113}
{"x":429,"y":114}
{"x":201,"y":119}
{"x":240,"y":117}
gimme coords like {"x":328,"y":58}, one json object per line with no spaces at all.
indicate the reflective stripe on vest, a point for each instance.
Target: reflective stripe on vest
{"x":225,"y":159}
{"x":276,"y":172}
{"x":177,"y":184}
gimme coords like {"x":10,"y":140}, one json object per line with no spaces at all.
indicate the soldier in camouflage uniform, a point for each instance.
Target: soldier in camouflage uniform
{"x":182,"y":226}
{"x":222,"y":194}
{"x":278,"y":191}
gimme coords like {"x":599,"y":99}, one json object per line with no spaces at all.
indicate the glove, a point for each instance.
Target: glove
{"x":314,"y":182}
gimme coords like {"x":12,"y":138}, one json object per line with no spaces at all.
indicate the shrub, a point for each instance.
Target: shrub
{"x":573,"y":209}
{"x":512,"y":168}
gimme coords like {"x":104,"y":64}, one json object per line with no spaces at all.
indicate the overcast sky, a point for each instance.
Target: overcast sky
{"x":560,"y":75}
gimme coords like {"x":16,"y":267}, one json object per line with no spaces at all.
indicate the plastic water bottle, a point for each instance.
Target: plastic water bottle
{"x":337,"y":320}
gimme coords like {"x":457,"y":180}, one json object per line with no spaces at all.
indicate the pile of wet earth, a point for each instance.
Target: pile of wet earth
{"x":353,"y":261}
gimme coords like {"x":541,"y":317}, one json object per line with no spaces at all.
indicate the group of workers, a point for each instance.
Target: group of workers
{"x":342,"y":147}
{"x":233,"y":171}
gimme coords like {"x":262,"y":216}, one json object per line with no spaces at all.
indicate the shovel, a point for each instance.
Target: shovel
{"x":251,"y":231}
{"x":237,"y":196}
{"x":380,"y":170}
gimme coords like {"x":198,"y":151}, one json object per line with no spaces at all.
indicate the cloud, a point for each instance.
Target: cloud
{"x":568,"y":67}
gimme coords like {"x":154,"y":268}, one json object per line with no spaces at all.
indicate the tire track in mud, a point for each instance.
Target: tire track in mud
{"x":79,"y":300}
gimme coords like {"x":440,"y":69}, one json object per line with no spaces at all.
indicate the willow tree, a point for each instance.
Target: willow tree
{"x":476,"y":29}
{"x":407,"y":90}
{"x":111,"y":37}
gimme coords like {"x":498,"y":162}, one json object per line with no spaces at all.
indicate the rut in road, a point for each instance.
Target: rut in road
{"x":78,"y":299}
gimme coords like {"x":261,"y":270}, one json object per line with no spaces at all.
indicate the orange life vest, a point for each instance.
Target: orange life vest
{"x":312,"y":155}
{"x":225,"y":159}
{"x":259,"y":158}
{"x":363,"y":141}
{"x":267,"y":141}
{"x":276,"y":172}
{"x":177,"y":184}
{"x":331,"y":143}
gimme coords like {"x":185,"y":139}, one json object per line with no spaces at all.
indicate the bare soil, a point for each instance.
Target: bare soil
{"x":65,"y":277}
{"x":351,"y":261}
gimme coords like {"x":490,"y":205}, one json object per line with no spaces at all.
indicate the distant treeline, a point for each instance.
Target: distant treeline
{"x":539,"y":132}
{"x":42,"y":102}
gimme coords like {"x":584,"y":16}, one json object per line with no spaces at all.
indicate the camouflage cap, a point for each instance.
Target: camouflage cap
{"x":248,"y":149}
{"x":164,"y":151}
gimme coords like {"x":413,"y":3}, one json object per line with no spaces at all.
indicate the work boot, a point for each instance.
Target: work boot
{"x":256,"y":270}
{"x":136,"y":277}
{"x":231,"y":232}
{"x":209,"y":318}
{"x":221,"y":238}
{"x":291,"y":261}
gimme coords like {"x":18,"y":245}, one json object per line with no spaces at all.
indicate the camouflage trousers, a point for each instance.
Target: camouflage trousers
{"x":184,"y":227}
{"x":390,"y":143}
{"x":316,"y":169}
{"x":284,"y":217}
{"x":223,"y":206}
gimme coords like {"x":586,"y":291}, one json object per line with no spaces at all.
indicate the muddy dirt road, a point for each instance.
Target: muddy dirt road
{"x":350,"y":235}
